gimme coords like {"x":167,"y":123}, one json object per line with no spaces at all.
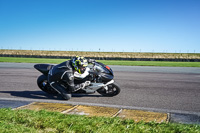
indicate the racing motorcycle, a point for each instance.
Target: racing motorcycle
{"x":100,"y":79}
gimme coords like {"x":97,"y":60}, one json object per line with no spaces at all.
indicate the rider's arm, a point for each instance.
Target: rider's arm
{"x":91,"y":60}
{"x":81,"y":76}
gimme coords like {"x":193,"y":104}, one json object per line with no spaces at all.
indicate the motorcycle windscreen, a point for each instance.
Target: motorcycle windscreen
{"x":102,"y":69}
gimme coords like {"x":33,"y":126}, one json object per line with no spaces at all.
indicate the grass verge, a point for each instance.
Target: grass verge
{"x":44,"y":121}
{"x":107,"y":62}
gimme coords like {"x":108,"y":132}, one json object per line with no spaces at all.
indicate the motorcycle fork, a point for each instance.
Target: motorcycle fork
{"x":106,"y":85}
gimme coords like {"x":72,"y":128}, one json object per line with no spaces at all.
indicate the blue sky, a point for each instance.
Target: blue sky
{"x":101,"y":25}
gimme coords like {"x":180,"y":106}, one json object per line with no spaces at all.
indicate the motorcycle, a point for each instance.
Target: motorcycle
{"x":100,"y":79}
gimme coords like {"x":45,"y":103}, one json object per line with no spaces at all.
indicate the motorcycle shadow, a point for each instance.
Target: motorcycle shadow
{"x":85,"y":95}
{"x":43,"y":95}
{"x":30,"y":94}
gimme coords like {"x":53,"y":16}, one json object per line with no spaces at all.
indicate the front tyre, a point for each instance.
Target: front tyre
{"x":44,"y":85}
{"x":111,"y":90}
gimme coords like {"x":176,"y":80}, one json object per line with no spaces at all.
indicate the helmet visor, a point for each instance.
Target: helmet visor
{"x":81,"y":69}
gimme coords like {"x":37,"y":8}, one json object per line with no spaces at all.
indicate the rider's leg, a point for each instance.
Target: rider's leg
{"x":61,"y":90}
{"x":52,"y":79}
{"x":69,"y":79}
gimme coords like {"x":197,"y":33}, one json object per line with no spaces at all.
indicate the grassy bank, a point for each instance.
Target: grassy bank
{"x":103,"y":54}
{"x":107,"y":62}
{"x":42,"y":121}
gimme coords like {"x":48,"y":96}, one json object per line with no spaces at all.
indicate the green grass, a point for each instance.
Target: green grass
{"x":107,"y":62}
{"x":153,"y":63}
{"x":31,"y":60}
{"x":16,"y":121}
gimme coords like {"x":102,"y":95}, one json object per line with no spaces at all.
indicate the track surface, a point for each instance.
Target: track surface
{"x":172,"y":89}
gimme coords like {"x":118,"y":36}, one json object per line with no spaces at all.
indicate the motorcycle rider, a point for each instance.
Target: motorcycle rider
{"x":65,"y":72}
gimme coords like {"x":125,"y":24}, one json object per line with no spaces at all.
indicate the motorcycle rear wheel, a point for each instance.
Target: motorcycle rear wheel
{"x":113,"y":90}
{"x":44,"y":85}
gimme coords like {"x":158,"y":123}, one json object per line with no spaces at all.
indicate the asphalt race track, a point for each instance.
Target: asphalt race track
{"x":165,"y":89}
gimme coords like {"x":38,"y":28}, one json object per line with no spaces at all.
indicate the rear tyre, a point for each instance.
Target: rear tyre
{"x":113,"y":90}
{"x":44,"y":85}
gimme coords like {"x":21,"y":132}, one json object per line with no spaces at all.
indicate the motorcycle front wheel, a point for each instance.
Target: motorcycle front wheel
{"x":44,"y":85}
{"x":113,"y":90}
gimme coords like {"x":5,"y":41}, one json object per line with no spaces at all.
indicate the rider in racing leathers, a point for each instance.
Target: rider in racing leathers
{"x":65,"y":72}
